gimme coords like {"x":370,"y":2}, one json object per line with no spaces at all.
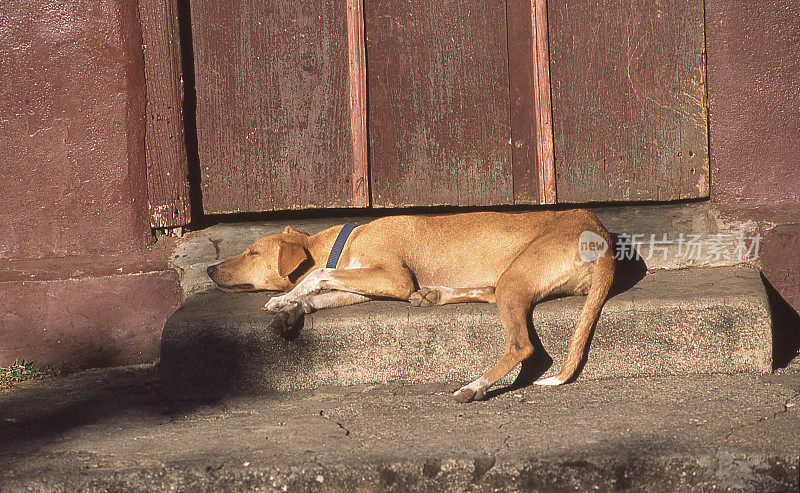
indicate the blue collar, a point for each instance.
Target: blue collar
{"x":338,"y":245}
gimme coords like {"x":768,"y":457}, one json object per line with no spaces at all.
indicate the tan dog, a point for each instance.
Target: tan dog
{"x":513,"y":260}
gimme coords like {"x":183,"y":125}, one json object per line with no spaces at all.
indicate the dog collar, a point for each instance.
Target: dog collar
{"x":338,"y":245}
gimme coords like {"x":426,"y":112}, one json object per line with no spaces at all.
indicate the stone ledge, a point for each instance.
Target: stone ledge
{"x":199,"y":249}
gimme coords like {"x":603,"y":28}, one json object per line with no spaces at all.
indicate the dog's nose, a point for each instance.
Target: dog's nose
{"x":212,"y":269}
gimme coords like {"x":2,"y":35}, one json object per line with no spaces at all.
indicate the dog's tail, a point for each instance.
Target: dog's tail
{"x":602,"y":280}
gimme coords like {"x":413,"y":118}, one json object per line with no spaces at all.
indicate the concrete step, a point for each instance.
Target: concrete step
{"x":671,"y":322}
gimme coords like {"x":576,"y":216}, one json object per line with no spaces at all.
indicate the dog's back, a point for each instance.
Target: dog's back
{"x":467,"y":250}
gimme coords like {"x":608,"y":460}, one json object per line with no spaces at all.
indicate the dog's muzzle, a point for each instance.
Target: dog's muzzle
{"x":212,"y":271}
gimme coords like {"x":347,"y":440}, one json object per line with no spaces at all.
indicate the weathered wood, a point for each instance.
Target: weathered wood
{"x":544,"y":114}
{"x":273,"y":104}
{"x":521,"y":74}
{"x":165,"y":150}
{"x":438,"y":102}
{"x":358,"y":101}
{"x":628,"y":93}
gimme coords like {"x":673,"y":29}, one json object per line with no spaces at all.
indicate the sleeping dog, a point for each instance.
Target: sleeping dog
{"x":512,"y":260}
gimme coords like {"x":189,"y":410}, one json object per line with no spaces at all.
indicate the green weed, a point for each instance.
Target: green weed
{"x":22,"y":370}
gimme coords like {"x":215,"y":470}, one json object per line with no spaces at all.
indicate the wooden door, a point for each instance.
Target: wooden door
{"x":274,"y":119}
{"x":439,"y":127}
{"x":469,"y":102}
{"x":628,"y":95}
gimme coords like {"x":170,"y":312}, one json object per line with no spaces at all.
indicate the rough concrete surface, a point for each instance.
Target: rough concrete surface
{"x":104,"y":430}
{"x":671,"y":322}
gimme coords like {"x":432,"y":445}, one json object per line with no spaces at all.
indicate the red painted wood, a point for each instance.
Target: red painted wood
{"x":439,"y":123}
{"x":544,"y":114}
{"x":358,"y":101}
{"x":273,"y":105}
{"x":629,"y":99}
{"x":167,"y":166}
{"x":521,"y":74}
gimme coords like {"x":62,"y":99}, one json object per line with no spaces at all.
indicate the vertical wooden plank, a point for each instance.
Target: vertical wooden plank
{"x":629,"y":104}
{"x":165,"y":151}
{"x":358,"y":101}
{"x":273,"y":104}
{"x":521,"y":75}
{"x":438,"y":102}
{"x":544,"y":114}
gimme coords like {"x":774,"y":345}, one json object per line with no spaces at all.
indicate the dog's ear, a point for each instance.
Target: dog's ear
{"x":289,"y":230}
{"x":290,"y":256}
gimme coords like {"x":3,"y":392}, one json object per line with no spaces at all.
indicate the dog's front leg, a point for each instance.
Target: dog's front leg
{"x":369,"y":281}
{"x":310,"y":284}
{"x":386,"y":281}
{"x":347,"y":286}
{"x":291,"y":317}
{"x":334,"y":299}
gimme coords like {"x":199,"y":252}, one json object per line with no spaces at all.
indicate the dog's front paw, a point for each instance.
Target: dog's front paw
{"x":426,"y":296}
{"x":277,"y":303}
{"x":289,"y":319}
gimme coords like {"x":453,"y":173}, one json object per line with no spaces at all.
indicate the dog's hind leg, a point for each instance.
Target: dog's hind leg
{"x":560,"y":271}
{"x":442,"y":295}
{"x":513,"y":307}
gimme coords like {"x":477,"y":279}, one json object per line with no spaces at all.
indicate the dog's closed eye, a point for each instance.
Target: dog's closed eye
{"x":252,"y":252}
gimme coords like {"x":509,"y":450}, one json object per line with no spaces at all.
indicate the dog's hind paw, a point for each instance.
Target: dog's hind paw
{"x":549,"y":381}
{"x":475,"y":391}
{"x":426,"y":296}
{"x":464,"y":395}
{"x":288,"y":319}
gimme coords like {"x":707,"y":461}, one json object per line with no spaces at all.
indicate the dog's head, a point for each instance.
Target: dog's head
{"x":271,"y":263}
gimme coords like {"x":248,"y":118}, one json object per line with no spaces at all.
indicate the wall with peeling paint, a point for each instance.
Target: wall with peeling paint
{"x":754,"y":92}
{"x":754,"y":115}
{"x":78,"y":284}
{"x":72,"y":168}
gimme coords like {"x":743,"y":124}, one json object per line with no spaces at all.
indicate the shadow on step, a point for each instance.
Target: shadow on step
{"x":631,"y":268}
{"x":221,"y":357}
